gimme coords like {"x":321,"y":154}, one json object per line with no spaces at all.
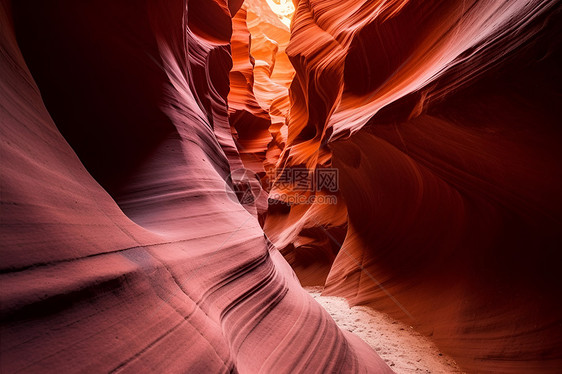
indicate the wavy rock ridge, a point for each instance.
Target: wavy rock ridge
{"x":442,"y":118}
{"x":126,"y":245}
{"x":124,"y":249}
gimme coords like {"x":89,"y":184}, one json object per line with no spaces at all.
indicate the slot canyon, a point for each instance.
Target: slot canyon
{"x":178,"y":175}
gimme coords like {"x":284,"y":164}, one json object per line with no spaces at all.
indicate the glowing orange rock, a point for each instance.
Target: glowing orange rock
{"x":441,"y":118}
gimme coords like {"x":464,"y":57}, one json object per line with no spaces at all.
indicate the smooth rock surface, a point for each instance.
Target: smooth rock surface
{"x":123,"y":246}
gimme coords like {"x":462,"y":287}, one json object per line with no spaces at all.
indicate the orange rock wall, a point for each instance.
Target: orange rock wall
{"x":443,"y":120}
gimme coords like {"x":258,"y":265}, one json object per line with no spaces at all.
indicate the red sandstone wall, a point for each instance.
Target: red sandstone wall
{"x":123,"y":247}
{"x":443,"y":119}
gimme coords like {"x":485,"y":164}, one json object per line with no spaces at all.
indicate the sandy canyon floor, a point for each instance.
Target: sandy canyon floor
{"x":399,"y":345}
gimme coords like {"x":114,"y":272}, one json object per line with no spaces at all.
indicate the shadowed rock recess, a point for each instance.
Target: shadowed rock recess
{"x":132,"y":131}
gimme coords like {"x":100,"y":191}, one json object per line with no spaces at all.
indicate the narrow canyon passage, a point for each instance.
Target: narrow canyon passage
{"x":173,"y":173}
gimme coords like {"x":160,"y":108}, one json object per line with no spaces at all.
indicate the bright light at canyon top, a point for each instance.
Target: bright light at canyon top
{"x":284,"y":9}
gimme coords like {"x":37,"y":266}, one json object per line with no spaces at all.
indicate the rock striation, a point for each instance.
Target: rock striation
{"x":443,"y":120}
{"x":131,"y":134}
{"x":123,"y":246}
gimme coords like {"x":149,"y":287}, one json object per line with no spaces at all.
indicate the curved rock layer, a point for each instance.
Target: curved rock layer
{"x":259,"y":97}
{"x":123,"y":247}
{"x":443,"y":119}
